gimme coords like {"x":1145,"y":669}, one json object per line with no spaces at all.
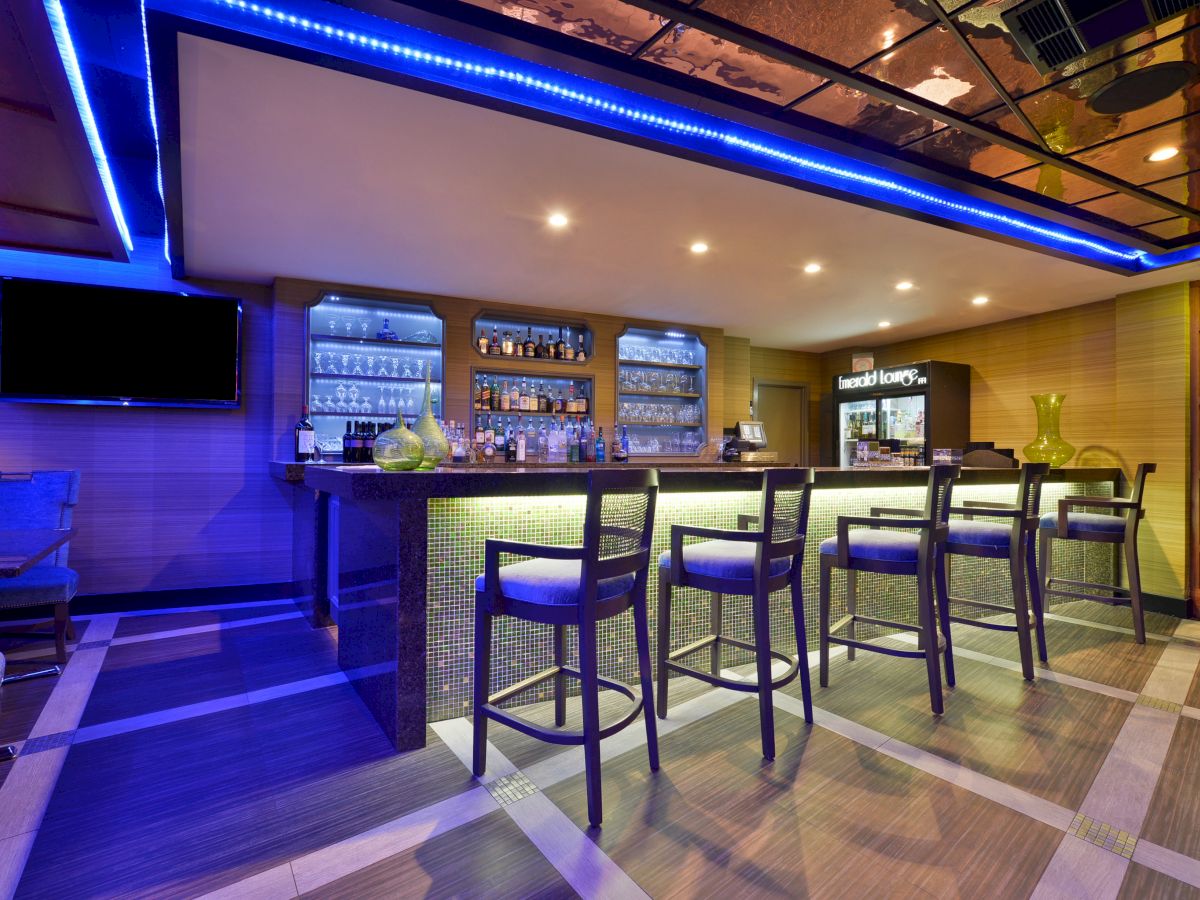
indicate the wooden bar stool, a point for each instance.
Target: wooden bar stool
{"x":577,"y":586}
{"x":1121,"y":527}
{"x":746,"y":563}
{"x":1014,"y":542}
{"x":893,"y":553}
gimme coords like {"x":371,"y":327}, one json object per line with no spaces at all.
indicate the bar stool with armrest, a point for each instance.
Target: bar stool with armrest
{"x":741,"y":562}
{"x":577,"y":586}
{"x":893,"y":553}
{"x":1119,"y":528}
{"x":1013,"y":542}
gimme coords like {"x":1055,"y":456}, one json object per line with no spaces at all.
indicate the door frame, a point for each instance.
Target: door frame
{"x":805,"y":401}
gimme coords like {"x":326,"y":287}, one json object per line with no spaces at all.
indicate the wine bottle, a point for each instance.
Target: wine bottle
{"x":348,"y":445}
{"x":356,"y":444}
{"x":369,"y":442}
{"x":306,"y":437}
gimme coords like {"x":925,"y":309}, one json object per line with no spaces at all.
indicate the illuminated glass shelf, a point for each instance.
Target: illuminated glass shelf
{"x":659,"y":365}
{"x":668,"y":394}
{"x":343,"y":339}
{"x":519,"y":327}
{"x":386,"y":378}
{"x":645,"y":394}
{"x":660,"y":424}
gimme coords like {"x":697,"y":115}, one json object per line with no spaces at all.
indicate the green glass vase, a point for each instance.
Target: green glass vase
{"x":398,"y":449}
{"x":430,"y":432}
{"x":1048,"y":446}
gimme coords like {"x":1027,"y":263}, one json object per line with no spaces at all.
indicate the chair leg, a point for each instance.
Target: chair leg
{"x":483,"y":666}
{"x":823,"y":622}
{"x":70,"y":626}
{"x":762,"y":658}
{"x":929,"y":633}
{"x":641,"y":633}
{"x":802,"y":645}
{"x":1045,"y":561}
{"x":664,"y":639}
{"x":942,"y":586}
{"x":1016,"y":569}
{"x":560,"y":679}
{"x":588,"y":669}
{"x":1133,"y":573}
{"x":716,"y":602}
{"x":62,"y":616}
{"x":851,"y":608}
{"x":1035,"y":597}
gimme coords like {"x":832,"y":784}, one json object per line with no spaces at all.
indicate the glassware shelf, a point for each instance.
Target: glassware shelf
{"x":657,"y":423}
{"x":343,"y":339}
{"x":659,"y":365}
{"x":392,"y":378}
{"x":625,"y":393}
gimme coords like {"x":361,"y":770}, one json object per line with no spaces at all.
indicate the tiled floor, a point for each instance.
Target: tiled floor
{"x":222,"y":748}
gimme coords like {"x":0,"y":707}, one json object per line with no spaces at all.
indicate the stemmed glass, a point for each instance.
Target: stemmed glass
{"x":341,"y":395}
{"x":392,"y":400}
{"x":332,"y":324}
{"x":317,"y":361}
{"x":329,"y":407}
{"x":345,"y":363}
{"x":366,"y":324}
{"x":353,"y":397}
{"x":370,"y":365}
{"x":357,"y":364}
{"x":407,"y":369}
{"x":365,"y":406}
{"x":395,"y":367}
{"x":349,"y":326}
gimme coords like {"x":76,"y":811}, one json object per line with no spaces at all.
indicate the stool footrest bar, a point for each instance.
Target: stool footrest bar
{"x":979,"y":623}
{"x":981,"y":604}
{"x":876,"y":648}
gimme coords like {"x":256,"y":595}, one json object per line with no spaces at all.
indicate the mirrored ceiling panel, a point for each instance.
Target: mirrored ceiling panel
{"x":935,"y":67}
{"x":1125,"y":209}
{"x":846,"y":33}
{"x":701,"y":55}
{"x":612,"y":23}
{"x":1183,"y":189}
{"x":991,"y":39}
{"x":966,"y":151}
{"x":1056,"y":184}
{"x":862,"y":113}
{"x":1130,"y":158}
{"x":1131,"y":44}
{"x":1172,"y":228}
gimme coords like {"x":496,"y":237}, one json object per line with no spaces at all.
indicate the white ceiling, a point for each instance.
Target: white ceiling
{"x":295,"y":170}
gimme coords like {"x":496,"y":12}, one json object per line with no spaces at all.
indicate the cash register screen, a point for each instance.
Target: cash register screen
{"x":752,"y":433}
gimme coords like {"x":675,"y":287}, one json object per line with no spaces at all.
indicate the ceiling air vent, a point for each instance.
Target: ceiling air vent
{"x":1054,"y":33}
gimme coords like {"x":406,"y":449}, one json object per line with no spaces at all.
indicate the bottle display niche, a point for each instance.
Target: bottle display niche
{"x":506,"y":336}
{"x":537,"y":418}
{"x":367,"y":362}
{"x":661,"y":388}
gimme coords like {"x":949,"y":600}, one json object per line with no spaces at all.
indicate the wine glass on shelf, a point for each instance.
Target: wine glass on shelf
{"x":353,"y":397}
{"x":395,"y":367}
{"x":382,"y":402}
{"x":332,"y":324}
{"x":407,"y":368}
{"x":370,"y":365}
{"x":349,"y":327}
{"x":366,"y":326}
{"x":392,"y":400}
{"x":345,"y":363}
{"x":329,"y":407}
{"x":341,"y":395}
{"x":317,"y":362}
{"x":357,"y":364}
{"x":365,"y":406}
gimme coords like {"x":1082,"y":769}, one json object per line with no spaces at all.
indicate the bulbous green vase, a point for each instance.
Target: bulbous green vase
{"x":1048,"y":446}
{"x":427,"y":428}
{"x":398,"y":449}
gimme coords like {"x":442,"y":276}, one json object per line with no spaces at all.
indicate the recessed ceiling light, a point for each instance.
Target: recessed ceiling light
{"x":812,"y":268}
{"x":980,"y":300}
{"x":699,"y":247}
{"x":1162,"y":154}
{"x":904,"y":286}
{"x":885,"y":324}
{"x":558,"y":220}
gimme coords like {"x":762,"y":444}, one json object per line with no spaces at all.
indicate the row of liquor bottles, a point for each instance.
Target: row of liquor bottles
{"x":499,"y":395}
{"x":508,"y":345}
{"x":575,"y":440}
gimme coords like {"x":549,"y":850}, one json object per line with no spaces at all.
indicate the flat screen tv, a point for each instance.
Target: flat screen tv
{"x":72,"y":343}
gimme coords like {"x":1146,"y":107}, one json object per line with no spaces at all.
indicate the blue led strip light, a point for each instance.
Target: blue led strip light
{"x":66,"y":50}
{"x":154,"y":128}
{"x":447,"y":61}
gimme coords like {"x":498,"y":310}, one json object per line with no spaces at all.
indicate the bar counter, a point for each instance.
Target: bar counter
{"x":393,"y":558}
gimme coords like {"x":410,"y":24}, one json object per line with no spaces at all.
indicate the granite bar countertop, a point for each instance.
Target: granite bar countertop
{"x":368,"y":482}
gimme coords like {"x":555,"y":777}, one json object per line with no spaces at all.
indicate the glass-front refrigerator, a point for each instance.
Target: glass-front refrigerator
{"x":917,"y":407}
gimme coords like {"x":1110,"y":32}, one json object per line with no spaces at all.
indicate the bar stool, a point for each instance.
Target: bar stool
{"x":1013,"y":542}
{"x":745,"y":563}
{"x":893,"y":553}
{"x":577,"y":586}
{"x":1119,"y":528}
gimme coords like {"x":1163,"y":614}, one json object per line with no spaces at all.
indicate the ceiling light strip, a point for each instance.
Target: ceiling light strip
{"x":498,"y":75}
{"x":66,"y":51}
{"x":162,"y":196}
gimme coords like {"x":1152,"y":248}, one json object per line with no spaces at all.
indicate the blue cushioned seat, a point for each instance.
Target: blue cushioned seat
{"x":723,"y":559}
{"x":552,"y":582}
{"x":980,"y":534}
{"x":40,"y":585}
{"x":1084,"y":522}
{"x":866,"y":543}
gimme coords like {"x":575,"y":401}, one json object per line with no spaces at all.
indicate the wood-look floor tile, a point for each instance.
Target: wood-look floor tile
{"x":1045,"y":738}
{"x":1142,"y":882}
{"x":1193,"y":697}
{"x":280,"y":652}
{"x":22,"y":702}
{"x":1173,"y":819}
{"x":827,"y":818}
{"x":1157,"y":622}
{"x":148,"y":624}
{"x":488,"y":858}
{"x":1108,"y":657}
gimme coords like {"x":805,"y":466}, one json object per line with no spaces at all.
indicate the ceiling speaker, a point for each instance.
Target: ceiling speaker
{"x":1141,"y":87}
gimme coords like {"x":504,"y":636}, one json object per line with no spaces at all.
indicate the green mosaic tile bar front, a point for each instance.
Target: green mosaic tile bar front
{"x":459,"y":527}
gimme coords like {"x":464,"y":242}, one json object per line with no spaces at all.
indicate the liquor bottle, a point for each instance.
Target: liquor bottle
{"x":510,"y":445}
{"x":495,"y":395}
{"x":523,"y":403}
{"x":568,"y":350}
{"x":624,"y":443}
{"x":587,"y":448}
{"x":600,"y":445}
{"x":478,"y":431}
{"x":560,"y":349}
{"x":529,"y":349}
{"x":522,"y":442}
{"x":543,"y":443}
{"x":489,"y":446}
{"x":560,"y":405}
{"x":483,"y":342}
{"x":506,"y":345}
{"x":505,"y":400}
{"x":369,"y":442}
{"x":541,"y":397}
{"x":494,"y":346}
{"x":581,"y":402}
{"x":306,"y":437}
{"x":514,"y":397}
{"x":580,"y":353}
{"x":489,"y":433}
{"x":478,"y":395}
{"x":485,"y":395}
{"x":573,"y":445}
{"x":571,"y":409}
{"x":540,"y":351}
{"x":551,"y":349}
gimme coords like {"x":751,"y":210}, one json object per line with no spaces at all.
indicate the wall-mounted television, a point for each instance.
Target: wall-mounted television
{"x":73,"y":343}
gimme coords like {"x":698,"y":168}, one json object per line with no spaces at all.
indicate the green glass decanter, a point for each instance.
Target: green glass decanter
{"x":427,"y":428}
{"x":398,"y":449}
